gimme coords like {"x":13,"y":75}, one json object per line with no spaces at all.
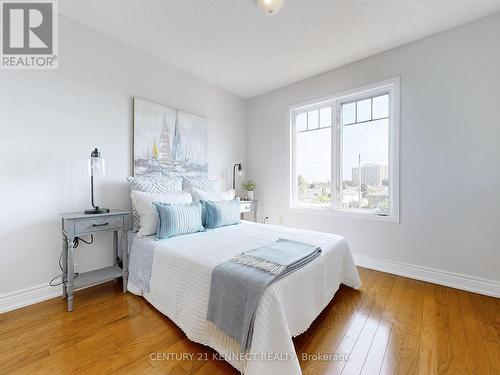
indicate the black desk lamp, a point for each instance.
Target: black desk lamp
{"x":97,"y":167}
{"x":239,"y":168}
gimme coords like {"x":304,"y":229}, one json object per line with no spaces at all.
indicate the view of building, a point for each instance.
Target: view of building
{"x":371,"y":174}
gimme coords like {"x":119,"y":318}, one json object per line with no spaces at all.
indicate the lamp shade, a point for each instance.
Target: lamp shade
{"x":237,"y":170}
{"x":270,"y":7}
{"x":97,"y":164}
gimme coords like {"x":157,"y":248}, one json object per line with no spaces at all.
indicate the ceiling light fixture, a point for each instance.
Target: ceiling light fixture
{"x":270,"y":7}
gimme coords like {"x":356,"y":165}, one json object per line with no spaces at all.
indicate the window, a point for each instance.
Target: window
{"x":344,"y":154}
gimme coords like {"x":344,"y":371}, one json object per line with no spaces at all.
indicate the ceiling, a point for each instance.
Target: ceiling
{"x":231,"y":44}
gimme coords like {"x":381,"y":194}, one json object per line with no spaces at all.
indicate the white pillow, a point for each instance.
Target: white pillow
{"x":200,"y":195}
{"x":148,"y":217}
{"x":152,"y":184}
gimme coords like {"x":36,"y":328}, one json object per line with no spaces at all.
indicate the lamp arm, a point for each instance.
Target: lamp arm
{"x":92,"y":190}
{"x":234,"y":176}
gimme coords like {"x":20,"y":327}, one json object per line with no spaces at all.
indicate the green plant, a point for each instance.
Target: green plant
{"x":249,"y":186}
{"x":323,"y":198}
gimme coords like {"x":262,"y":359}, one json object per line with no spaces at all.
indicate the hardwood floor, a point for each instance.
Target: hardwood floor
{"x":394,"y":325}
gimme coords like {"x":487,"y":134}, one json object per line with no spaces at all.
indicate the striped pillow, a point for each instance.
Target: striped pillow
{"x":152,"y":185}
{"x":222,"y":213}
{"x":199,"y":183}
{"x":176,"y":219}
{"x":155,"y":184}
{"x":201,"y":196}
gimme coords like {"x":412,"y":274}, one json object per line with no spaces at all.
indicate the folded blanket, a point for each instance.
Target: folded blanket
{"x":238,"y":284}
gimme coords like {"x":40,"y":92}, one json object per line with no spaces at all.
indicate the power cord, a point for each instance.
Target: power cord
{"x":76,"y":242}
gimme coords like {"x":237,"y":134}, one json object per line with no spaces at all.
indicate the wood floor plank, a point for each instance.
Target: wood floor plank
{"x":443,"y":343}
{"x":373,"y":362}
{"x":493,"y":351}
{"x":462,"y":361}
{"x":465,"y":303}
{"x":215,"y":367}
{"x":427,"y":361}
{"x":393,"y":325}
{"x":344,"y":348}
{"x":364,"y":341}
{"x":486,"y":314}
{"x":392,"y":319}
{"x":476,"y":345}
{"x":411,"y":320}
{"x":138,"y":367}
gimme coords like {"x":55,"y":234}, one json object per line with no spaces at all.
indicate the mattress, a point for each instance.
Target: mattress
{"x":180,"y":270}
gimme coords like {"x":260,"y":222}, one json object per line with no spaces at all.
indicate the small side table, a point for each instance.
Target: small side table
{"x":248,"y":206}
{"x":79,"y":224}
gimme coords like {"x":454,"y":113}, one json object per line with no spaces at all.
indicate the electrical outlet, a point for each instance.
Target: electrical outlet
{"x":281,"y":220}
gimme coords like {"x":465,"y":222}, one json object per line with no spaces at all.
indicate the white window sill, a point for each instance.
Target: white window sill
{"x":345,"y":213}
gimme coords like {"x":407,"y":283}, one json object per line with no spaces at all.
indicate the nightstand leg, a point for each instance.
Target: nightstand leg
{"x":64,"y":264}
{"x":71,"y":273}
{"x":125,"y":259}
{"x":115,"y":247}
{"x":115,"y":250}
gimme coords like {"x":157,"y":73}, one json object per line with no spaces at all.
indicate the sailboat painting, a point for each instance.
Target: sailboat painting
{"x":168,"y":141}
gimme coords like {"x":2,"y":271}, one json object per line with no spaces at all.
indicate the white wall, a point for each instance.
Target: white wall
{"x":51,"y":120}
{"x":450,"y":152}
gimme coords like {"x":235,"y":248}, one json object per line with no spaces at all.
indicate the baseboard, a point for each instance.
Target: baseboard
{"x":29,"y":296}
{"x":450,"y":279}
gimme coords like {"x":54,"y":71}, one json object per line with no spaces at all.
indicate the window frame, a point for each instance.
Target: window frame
{"x":390,"y":86}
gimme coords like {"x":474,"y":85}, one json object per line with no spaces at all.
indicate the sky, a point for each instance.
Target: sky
{"x":369,"y":139}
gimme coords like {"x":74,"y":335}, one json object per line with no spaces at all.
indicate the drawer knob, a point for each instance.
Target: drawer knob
{"x":100,"y":225}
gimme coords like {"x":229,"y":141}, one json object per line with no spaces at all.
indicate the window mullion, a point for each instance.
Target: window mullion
{"x":293,"y":156}
{"x":336,"y":157}
{"x":333,"y":180}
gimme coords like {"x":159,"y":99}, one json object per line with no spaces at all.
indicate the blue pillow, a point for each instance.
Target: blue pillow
{"x":219,"y":214}
{"x":176,"y":219}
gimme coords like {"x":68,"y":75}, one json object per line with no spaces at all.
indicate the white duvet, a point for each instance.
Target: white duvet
{"x":180,"y":284}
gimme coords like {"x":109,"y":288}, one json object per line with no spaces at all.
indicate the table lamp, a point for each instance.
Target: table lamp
{"x":237,"y":169}
{"x":97,"y":167}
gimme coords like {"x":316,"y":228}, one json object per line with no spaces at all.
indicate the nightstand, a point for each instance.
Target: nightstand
{"x":248,"y":206}
{"x":79,"y":224}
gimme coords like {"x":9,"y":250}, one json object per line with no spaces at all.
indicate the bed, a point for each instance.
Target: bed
{"x":174,"y":276}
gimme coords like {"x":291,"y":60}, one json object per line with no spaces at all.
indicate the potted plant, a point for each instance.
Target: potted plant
{"x":249,"y":186}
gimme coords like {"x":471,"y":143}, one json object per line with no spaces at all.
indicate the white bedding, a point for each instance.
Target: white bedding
{"x":180,"y":283}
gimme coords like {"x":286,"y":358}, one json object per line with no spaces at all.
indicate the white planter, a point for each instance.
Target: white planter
{"x":250,"y":195}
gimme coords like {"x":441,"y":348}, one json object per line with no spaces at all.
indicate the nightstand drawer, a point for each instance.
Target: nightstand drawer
{"x":98,"y":224}
{"x":245,"y":207}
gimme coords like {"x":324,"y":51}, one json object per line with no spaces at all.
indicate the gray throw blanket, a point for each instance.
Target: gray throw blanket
{"x":238,"y":284}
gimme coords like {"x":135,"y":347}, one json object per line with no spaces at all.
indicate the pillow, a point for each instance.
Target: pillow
{"x":155,"y":184}
{"x":176,"y":219}
{"x":200,"y":195}
{"x":152,"y":185}
{"x":148,"y":217}
{"x":222,"y":213}
{"x":199,"y":183}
